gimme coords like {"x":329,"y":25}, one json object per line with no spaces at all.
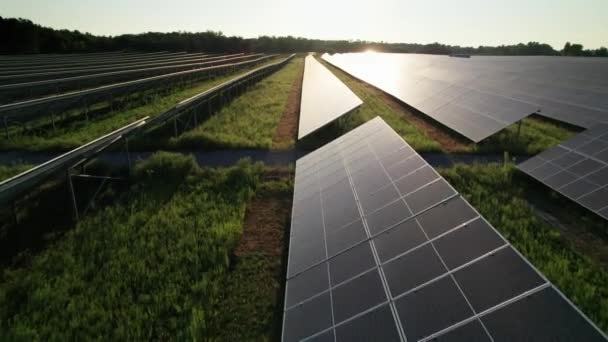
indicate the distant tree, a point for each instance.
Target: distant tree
{"x":601,"y":52}
{"x":567,"y":48}
{"x":573,"y":50}
{"x":21,"y":36}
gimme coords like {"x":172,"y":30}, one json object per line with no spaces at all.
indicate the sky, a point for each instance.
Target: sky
{"x":455,"y":22}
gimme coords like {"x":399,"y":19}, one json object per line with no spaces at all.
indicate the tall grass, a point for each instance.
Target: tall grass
{"x":148,"y":267}
{"x":250,"y":120}
{"x":495,"y":191}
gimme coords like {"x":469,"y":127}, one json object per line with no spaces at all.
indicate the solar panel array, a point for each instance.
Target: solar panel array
{"x":481,"y":95}
{"x":382,"y":248}
{"x":324,"y":98}
{"x":576,"y":168}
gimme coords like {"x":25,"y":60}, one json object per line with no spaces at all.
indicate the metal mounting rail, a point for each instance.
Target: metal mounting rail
{"x":13,"y":187}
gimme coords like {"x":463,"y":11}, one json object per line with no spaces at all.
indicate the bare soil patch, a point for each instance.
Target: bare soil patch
{"x":288,"y":125}
{"x":266,"y":217}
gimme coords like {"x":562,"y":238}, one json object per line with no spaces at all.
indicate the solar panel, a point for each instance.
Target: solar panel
{"x":324,"y":98}
{"x":576,"y":168}
{"x":382,"y":248}
{"x":480,"y":96}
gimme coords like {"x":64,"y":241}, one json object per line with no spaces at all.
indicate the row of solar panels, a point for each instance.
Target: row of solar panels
{"x":38,"y":61}
{"x":17,"y":76}
{"x":15,"y":186}
{"x":480,"y":96}
{"x":97,"y":77}
{"x":382,"y":248}
{"x":43,"y":107}
{"x":576,"y":168}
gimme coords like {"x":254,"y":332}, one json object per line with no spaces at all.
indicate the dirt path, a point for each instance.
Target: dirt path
{"x":288,"y":126}
{"x":266,"y":217}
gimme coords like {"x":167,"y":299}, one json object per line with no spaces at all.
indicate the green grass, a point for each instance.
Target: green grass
{"x":149,"y":267}
{"x":73,"y":134}
{"x":536,"y":135}
{"x":374,"y":105}
{"x":250,"y":304}
{"x":7,"y":172}
{"x":501,"y":196}
{"x":250,"y":120}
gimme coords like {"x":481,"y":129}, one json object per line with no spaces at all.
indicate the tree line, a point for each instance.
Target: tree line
{"x":22,"y":36}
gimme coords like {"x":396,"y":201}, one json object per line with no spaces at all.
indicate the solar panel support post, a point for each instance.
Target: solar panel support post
{"x":53,"y":121}
{"x":15,"y":212}
{"x":86,"y":110}
{"x":128,"y":155}
{"x":175,"y":126}
{"x":5,"y":126}
{"x":72,"y":194}
{"x":518,"y":131}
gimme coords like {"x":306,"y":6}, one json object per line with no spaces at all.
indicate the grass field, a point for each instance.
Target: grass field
{"x":250,"y":120}
{"x":149,"y":267}
{"x":77,"y":132}
{"x":500,"y":195}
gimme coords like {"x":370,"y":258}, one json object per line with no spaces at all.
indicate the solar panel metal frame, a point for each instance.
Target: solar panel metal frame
{"x":45,"y":87}
{"x":29,"y":110}
{"x":16,"y":185}
{"x":13,"y":187}
{"x":323,"y":159}
{"x":552,"y":157}
{"x":339,"y":91}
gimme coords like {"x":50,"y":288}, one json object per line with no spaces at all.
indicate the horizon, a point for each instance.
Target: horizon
{"x":423,"y":23}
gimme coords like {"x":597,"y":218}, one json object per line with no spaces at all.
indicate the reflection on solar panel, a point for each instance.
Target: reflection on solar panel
{"x":577,"y":168}
{"x":324,"y":98}
{"x":478,"y":96}
{"x":382,"y":248}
